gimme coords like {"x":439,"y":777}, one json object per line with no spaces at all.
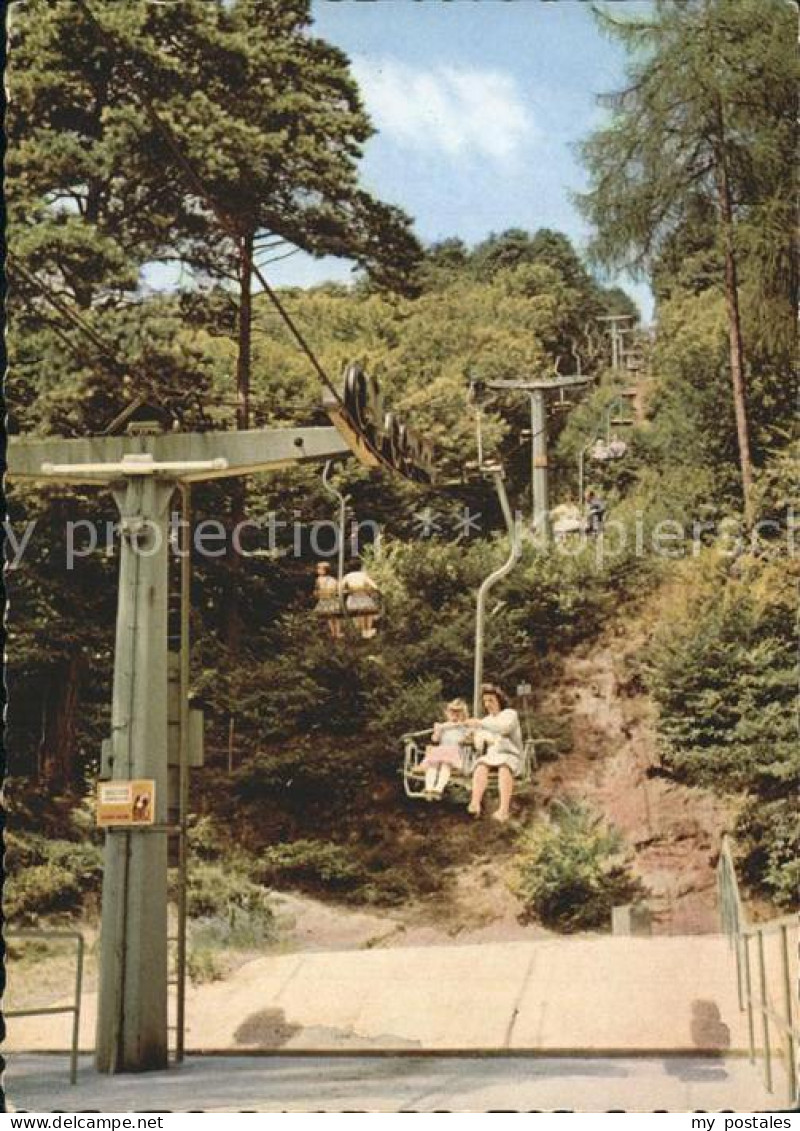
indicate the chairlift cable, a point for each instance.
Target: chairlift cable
{"x":65,"y":309}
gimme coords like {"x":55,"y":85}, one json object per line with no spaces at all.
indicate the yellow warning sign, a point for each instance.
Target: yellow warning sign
{"x":126,"y":803}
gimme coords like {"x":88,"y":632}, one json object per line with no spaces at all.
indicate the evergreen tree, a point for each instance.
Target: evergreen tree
{"x":215,"y":134}
{"x":211,"y":134}
{"x":708,"y":116}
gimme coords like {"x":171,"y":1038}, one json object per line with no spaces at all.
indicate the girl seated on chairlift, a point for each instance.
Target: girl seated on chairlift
{"x":445,"y":755}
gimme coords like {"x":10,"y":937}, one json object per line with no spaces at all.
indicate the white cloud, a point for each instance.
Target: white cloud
{"x":457,"y":110}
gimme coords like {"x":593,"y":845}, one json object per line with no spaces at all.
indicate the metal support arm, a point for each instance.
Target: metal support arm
{"x":342,"y":500}
{"x":515,"y":550}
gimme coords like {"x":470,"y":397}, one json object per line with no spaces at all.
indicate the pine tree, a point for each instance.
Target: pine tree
{"x":210,"y":133}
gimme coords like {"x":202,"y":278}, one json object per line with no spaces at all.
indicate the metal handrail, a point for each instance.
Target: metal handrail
{"x":740,"y":934}
{"x":770,"y":925}
{"x":75,"y":1009}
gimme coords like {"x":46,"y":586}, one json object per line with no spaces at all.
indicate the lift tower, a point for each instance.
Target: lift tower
{"x":536,"y":390}
{"x":143,"y":472}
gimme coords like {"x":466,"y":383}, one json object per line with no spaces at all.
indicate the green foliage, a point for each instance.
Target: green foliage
{"x":273,"y":126}
{"x":691,"y":177}
{"x":220,"y":94}
{"x":315,"y":862}
{"x":204,"y":964}
{"x":693,"y":420}
{"x":722,"y":669}
{"x":45,"y":877}
{"x":53,"y":860}
{"x":41,"y":890}
{"x":572,"y":870}
{"x":413,"y":706}
{"x":769,"y":838}
{"x":206,"y":840}
{"x":724,"y":678}
{"x":219,"y":891}
{"x":710,"y":85}
{"x":227,"y":911}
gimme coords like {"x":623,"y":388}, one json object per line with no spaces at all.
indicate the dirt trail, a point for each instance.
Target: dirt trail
{"x":673,"y":829}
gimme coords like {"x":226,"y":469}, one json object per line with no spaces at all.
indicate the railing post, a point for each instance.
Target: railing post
{"x":730,"y":912}
{"x":751,"y":1032}
{"x":737,"y":942}
{"x":50,"y":1010}
{"x":739,"y":932}
{"x":76,"y":1020}
{"x":762,"y":980}
{"x":791,"y":1051}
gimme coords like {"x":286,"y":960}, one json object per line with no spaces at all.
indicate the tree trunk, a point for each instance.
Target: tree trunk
{"x":734,"y":322}
{"x":243,"y":375}
{"x":56,"y":758}
{"x":245,"y":343}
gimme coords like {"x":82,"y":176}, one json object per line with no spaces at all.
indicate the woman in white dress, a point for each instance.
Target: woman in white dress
{"x":498,"y":740}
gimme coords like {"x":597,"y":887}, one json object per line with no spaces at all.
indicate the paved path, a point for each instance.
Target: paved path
{"x":394,"y":1083}
{"x":590,"y":994}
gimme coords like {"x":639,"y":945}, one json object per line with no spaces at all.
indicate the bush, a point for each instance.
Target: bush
{"x":769,"y":835}
{"x":227,"y":909}
{"x":204,"y":964}
{"x":40,"y":890}
{"x":723,"y":673}
{"x":305,"y":773}
{"x":573,"y":870}
{"x":206,"y":840}
{"x":47,"y":876}
{"x":311,"y":862}
{"x":415,"y":706}
{"x":215,"y":890}
{"x":725,"y":683}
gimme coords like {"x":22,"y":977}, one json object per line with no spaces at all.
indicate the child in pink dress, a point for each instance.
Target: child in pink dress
{"x":445,"y":755}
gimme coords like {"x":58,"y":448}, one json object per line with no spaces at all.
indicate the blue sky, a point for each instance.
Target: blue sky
{"x":479,"y":105}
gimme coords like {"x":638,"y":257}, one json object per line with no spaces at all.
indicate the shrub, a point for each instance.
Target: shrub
{"x":305,"y":773}
{"x":204,"y":964}
{"x":41,"y":890}
{"x":46,"y":876}
{"x":206,"y":840}
{"x":415,"y":706}
{"x":227,"y":909}
{"x":769,"y":835}
{"x":723,"y":672}
{"x":572,"y":870}
{"x":311,"y":862}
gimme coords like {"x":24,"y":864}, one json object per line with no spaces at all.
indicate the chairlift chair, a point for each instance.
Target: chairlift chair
{"x":415,"y":742}
{"x":566,"y":519}
{"x":349,"y":616}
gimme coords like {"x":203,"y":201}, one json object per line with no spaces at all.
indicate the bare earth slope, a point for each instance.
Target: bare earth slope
{"x":673,"y":829}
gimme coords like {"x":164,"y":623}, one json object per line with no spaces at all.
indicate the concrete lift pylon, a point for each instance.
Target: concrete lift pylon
{"x":617,"y":329}
{"x":143,"y":471}
{"x":536,"y":389}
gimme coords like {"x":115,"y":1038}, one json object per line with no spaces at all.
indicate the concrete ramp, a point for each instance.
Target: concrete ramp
{"x":595,"y":994}
{"x":592,"y":994}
